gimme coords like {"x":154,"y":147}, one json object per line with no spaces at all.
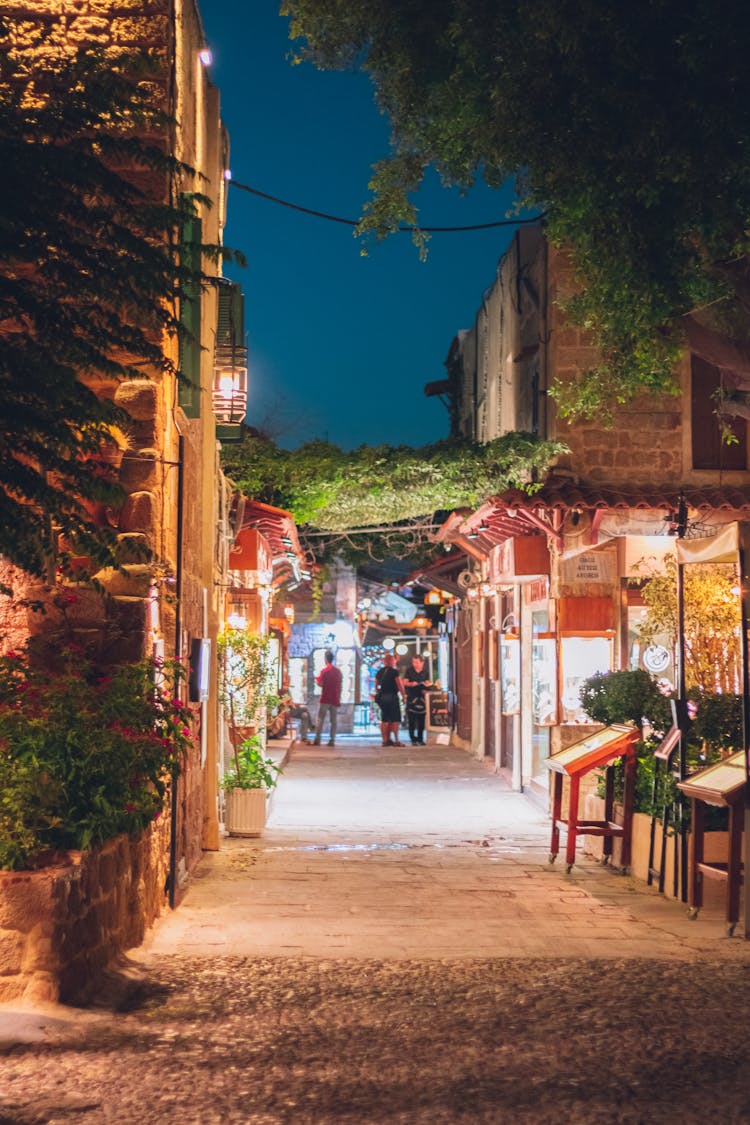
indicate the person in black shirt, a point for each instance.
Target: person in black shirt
{"x":388,"y":693}
{"x":416,"y":684}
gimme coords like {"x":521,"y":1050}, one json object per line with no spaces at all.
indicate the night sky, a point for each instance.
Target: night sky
{"x":340,"y":345}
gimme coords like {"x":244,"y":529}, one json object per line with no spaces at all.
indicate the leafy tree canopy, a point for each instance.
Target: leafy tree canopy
{"x":383,"y":488}
{"x":88,"y":282}
{"x":626,"y":123}
{"x":712,"y":621}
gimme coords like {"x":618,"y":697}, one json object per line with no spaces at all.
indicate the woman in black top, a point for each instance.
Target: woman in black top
{"x":416,"y":684}
{"x":389,"y":690}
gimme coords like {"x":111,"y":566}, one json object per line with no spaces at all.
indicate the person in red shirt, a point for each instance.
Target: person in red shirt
{"x":330,"y":698}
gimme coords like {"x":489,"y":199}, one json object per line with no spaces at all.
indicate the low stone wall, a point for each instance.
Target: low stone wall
{"x":62,"y":925}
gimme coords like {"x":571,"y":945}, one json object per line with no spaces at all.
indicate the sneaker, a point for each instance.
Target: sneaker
{"x":315,"y":743}
{"x":331,"y":743}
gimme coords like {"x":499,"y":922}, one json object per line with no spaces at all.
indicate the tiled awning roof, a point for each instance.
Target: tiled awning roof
{"x":280,"y":531}
{"x":514,"y":512}
{"x":440,"y":574}
{"x":564,"y":494}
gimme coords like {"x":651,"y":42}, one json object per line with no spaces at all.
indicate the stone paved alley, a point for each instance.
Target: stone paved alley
{"x":397,"y":949}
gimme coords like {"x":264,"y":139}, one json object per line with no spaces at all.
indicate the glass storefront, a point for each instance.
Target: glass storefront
{"x":543,"y":692}
{"x":581,"y":658}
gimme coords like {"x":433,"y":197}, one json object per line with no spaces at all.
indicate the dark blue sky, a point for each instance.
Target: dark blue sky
{"x":340,"y":345}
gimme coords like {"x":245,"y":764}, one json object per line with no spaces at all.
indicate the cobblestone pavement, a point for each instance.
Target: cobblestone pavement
{"x":396,"y":949}
{"x":307,"y":1041}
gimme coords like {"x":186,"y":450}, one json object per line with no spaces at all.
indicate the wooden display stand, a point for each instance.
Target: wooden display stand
{"x":593,"y":752}
{"x":723,"y":785}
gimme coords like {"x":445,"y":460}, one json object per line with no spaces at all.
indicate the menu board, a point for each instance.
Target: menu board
{"x":438,"y":710}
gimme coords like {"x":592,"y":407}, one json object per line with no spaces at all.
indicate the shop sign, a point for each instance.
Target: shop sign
{"x":656,"y":659}
{"x":537,"y":591}
{"x":591,"y":566}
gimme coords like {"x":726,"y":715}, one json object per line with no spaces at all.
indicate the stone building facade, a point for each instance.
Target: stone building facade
{"x":170,"y":468}
{"x":548,"y":594}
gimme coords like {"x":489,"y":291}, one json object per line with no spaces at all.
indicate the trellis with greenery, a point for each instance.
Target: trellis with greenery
{"x":382,"y":501}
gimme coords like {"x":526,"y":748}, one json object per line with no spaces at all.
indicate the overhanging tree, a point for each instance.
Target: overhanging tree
{"x":88,"y":281}
{"x":626,"y":123}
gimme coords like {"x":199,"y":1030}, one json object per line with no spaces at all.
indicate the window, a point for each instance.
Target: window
{"x":709,"y":450}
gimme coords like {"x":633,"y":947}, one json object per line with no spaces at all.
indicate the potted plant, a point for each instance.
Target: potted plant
{"x":246,"y":691}
{"x":247,"y":786}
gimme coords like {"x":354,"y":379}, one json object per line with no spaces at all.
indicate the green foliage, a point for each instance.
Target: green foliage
{"x":625,"y":697}
{"x":629,"y":696}
{"x":252,"y":769}
{"x":712,"y":619}
{"x":625,"y":123}
{"x":718,"y":722}
{"x":329,"y":488}
{"x":83,"y":756}
{"x":245,"y":674}
{"x":88,"y":281}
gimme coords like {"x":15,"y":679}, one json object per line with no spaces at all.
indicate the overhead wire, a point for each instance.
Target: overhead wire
{"x":405,"y":227}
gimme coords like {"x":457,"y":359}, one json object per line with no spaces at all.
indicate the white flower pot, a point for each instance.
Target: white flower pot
{"x":245,"y":812}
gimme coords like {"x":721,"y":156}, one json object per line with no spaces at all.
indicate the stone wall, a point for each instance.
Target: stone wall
{"x":171,"y":32}
{"x":646,"y":442}
{"x":62,"y":925}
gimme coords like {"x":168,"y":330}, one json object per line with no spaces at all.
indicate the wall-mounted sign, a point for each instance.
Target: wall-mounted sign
{"x":656,"y":659}
{"x":589,"y":566}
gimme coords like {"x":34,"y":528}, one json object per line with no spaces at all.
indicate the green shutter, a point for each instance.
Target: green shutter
{"x":189,"y":390}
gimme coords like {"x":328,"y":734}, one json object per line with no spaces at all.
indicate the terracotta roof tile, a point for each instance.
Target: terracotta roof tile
{"x":562,"y":494}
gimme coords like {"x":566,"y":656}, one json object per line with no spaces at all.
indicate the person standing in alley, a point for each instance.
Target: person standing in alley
{"x":416,"y":684}
{"x":388,"y":692}
{"x":330,"y":698}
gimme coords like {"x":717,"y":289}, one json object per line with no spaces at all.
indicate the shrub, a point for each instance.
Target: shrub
{"x":252,"y":770}
{"x":629,"y":696}
{"x":84,"y":756}
{"x":625,"y":697}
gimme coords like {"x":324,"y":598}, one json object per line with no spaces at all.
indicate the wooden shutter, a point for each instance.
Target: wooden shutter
{"x":709,"y":451}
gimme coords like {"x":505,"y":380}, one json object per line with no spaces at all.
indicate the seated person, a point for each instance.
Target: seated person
{"x":287,"y":710}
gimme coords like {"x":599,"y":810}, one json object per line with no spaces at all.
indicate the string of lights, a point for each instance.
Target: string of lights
{"x":405,"y":228}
